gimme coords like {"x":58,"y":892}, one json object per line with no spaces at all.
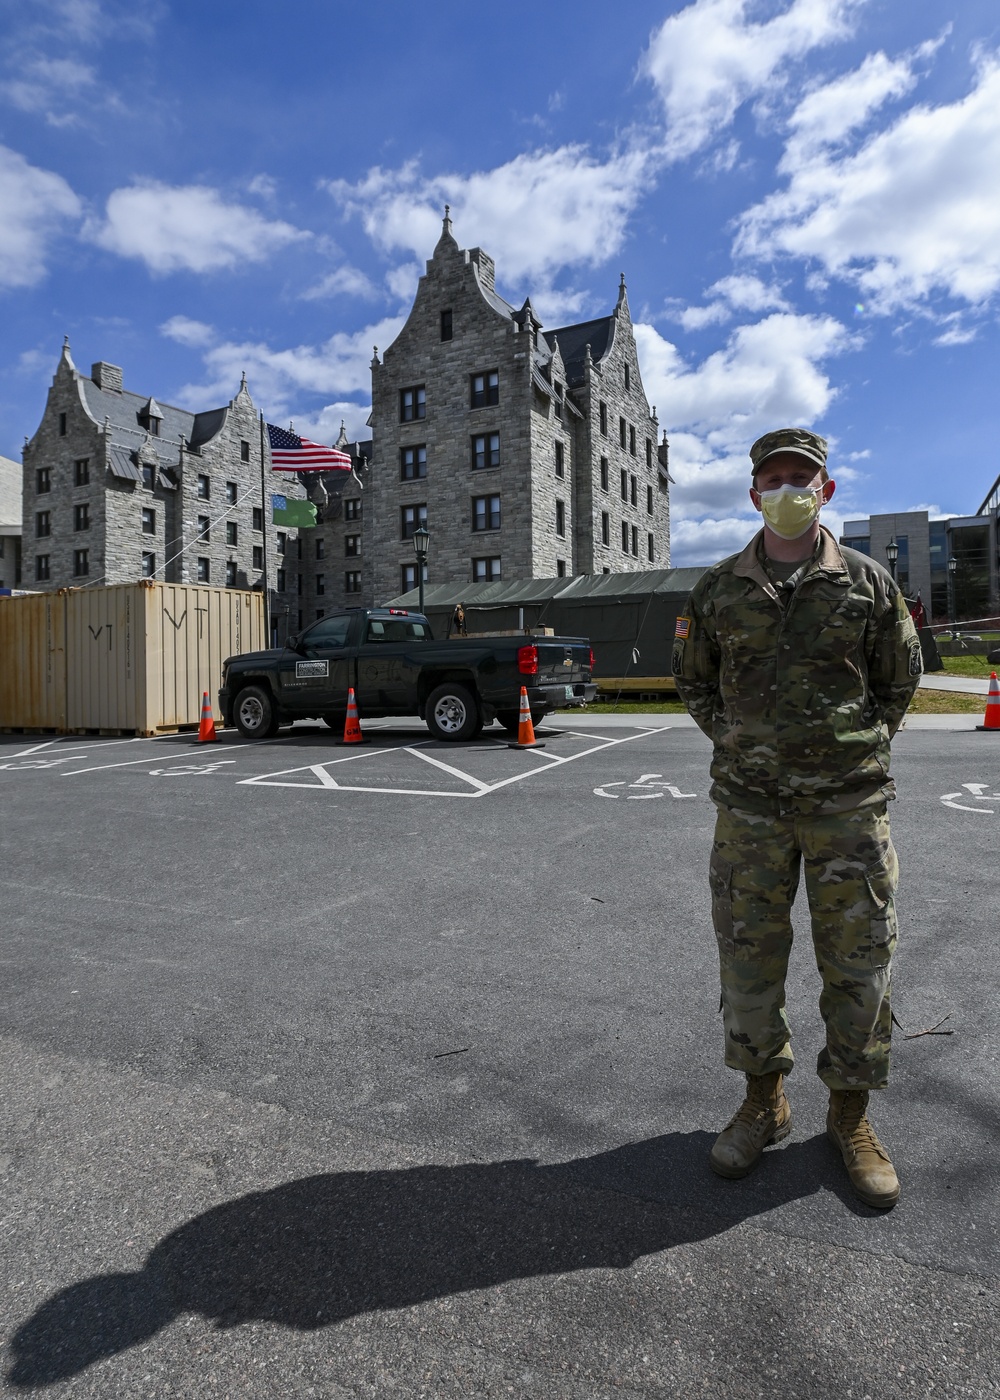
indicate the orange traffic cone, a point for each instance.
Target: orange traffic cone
{"x":206,"y":729}
{"x":991,"y":719}
{"x":525,"y":729}
{"x":352,"y":728}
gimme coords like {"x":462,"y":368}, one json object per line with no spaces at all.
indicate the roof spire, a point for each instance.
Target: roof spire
{"x":446,"y":221}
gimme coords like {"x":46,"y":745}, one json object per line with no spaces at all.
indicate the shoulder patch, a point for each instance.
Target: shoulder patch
{"x":682,"y":627}
{"x":916,"y":659}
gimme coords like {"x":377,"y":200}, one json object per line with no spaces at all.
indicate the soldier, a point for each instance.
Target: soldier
{"x":798,"y":659}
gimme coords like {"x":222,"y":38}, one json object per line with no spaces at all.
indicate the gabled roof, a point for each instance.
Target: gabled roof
{"x":573,"y":341}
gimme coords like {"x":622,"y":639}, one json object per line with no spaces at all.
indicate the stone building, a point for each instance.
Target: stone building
{"x":333,"y":554}
{"x":118,"y":487}
{"x":525,"y":452}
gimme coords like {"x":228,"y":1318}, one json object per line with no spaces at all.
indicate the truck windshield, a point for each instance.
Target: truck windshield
{"x":397,"y":629}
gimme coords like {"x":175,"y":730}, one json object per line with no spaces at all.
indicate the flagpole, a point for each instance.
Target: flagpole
{"x":265,"y":522}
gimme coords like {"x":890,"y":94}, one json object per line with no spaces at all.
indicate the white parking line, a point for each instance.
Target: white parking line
{"x":132,"y":762}
{"x":455,"y":772}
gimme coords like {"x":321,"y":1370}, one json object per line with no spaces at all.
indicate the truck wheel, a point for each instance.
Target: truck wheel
{"x":452,"y":714}
{"x":254,"y":711}
{"x":335,"y":721}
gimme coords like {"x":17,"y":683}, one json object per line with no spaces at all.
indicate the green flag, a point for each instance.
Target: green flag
{"x":298,"y":513}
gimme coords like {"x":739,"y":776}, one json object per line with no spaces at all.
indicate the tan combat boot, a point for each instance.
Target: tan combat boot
{"x":867,"y":1162}
{"x":763,"y":1117}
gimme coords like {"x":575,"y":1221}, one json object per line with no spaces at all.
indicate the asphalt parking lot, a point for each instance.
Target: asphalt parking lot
{"x":392,"y":1070}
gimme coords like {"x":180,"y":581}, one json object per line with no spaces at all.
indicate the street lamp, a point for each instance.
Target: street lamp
{"x":421,"y":539}
{"x":952,"y":571}
{"x":892,"y":554}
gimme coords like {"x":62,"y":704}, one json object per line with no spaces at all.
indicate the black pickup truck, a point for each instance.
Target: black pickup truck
{"x":396,"y":667}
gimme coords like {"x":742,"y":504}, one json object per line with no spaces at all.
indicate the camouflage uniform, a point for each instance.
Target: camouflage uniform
{"x":800,"y":687}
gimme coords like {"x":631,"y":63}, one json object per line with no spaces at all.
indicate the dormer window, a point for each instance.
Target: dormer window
{"x":150,"y":417}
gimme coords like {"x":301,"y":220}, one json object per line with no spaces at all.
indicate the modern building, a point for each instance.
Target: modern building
{"x":953,"y":563}
{"x":118,"y":487}
{"x":10,"y":524}
{"x":525,"y":453}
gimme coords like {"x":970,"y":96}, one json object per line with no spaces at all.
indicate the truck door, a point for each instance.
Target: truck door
{"x":315,"y":676}
{"x":389,"y":665}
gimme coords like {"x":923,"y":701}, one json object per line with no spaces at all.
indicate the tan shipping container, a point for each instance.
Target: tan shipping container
{"x":132,"y":656}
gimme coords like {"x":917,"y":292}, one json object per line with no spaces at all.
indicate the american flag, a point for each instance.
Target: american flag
{"x":291,"y":453}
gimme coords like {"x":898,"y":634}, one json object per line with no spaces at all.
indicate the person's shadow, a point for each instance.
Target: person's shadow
{"x":324,"y":1248}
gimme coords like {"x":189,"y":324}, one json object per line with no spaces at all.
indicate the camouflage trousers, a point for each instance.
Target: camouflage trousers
{"x":851,"y":873}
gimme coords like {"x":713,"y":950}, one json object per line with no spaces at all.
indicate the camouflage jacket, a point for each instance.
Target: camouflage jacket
{"x":799,"y":701}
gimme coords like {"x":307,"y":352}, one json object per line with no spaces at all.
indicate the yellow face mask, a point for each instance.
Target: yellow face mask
{"x":790,"y":510}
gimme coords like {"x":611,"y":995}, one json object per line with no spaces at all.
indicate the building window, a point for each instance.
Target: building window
{"x":605,"y":527}
{"x":81,"y":471}
{"x":649,"y":547}
{"x":603,"y":410}
{"x":81,"y":517}
{"x":320,"y":548}
{"x":649,"y":452}
{"x":148,"y":475}
{"x":447,"y":326}
{"x":352,"y":581}
{"x":560,"y":568}
{"x":413,"y":462}
{"x":43,"y":480}
{"x":321,"y":583}
{"x":352,"y":546}
{"x":631,"y":440}
{"x":62,"y":425}
{"x":204,"y":487}
{"x":628,"y":379}
{"x":485,"y":451}
{"x":624,"y":536}
{"x":231,"y":574}
{"x":408,"y":576}
{"x":81,"y":563}
{"x":148,"y":564}
{"x":352,"y":510}
{"x":485,"y":388}
{"x":649,"y":500}
{"x":486,"y":570}
{"x":258,"y":557}
{"x":231,"y":493}
{"x":410,"y":518}
{"x":258,"y":518}
{"x":42,"y":568}
{"x":148,"y":522}
{"x":281,"y":542}
{"x":486,"y":512}
{"x":153,"y":427}
{"x":299,"y":585}
{"x":412,"y":404}
{"x":204,"y":526}
{"x":622,"y":432}
{"x":244,"y":451}
{"x":560,"y":463}
{"x":560,"y":518}
{"x":560,"y":393}
{"x":279,"y":581}
{"x":43,"y":524}
{"x":604,"y":473}
{"x":204,"y":570}
{"x":231,"y":533}
{"x":635,"y":541}
{"x":300,"y":620}
{"x":624,"y":477}
{"x":633,"y":492}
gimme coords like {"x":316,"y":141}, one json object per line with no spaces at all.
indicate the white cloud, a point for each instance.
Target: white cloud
{"x":34,"y":205}
{"x":264,"y":185}
{"x":709,"y":58}
{"x":187,"y":227}
{"x":402,"y":281}
{"x":739,"y":292}
{"x":280,"y":379}
{"x":343,"y":281}
{"x":194,"y":334}
{"x":46,"y":84}
{"x":829,"y":113}
{"x":913,"y":213}
{"x":768,"y":375}
{"x":537,"y":215}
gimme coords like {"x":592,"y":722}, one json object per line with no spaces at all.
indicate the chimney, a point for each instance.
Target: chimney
{"x":485,"y":267}
{"x":107,"y":377}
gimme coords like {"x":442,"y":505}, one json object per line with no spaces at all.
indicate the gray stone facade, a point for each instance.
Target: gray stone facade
{"x":117,"y":487}
{"x":532,"y":453}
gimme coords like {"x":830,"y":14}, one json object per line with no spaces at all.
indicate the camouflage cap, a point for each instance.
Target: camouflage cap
{"x":799,"y":440}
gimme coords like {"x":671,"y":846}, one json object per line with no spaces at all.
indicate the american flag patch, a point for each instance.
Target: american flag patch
{"x":683,"y":627}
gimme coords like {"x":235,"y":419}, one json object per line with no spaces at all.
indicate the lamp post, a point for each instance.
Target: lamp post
{"x":892,"y":554}
{"x":952,"y":571}
{"x":421,"y":539}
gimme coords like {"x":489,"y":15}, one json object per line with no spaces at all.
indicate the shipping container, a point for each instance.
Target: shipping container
{"x":132,"y":657}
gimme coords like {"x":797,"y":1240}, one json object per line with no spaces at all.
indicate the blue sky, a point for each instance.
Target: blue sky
{"x":803,"y":196}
